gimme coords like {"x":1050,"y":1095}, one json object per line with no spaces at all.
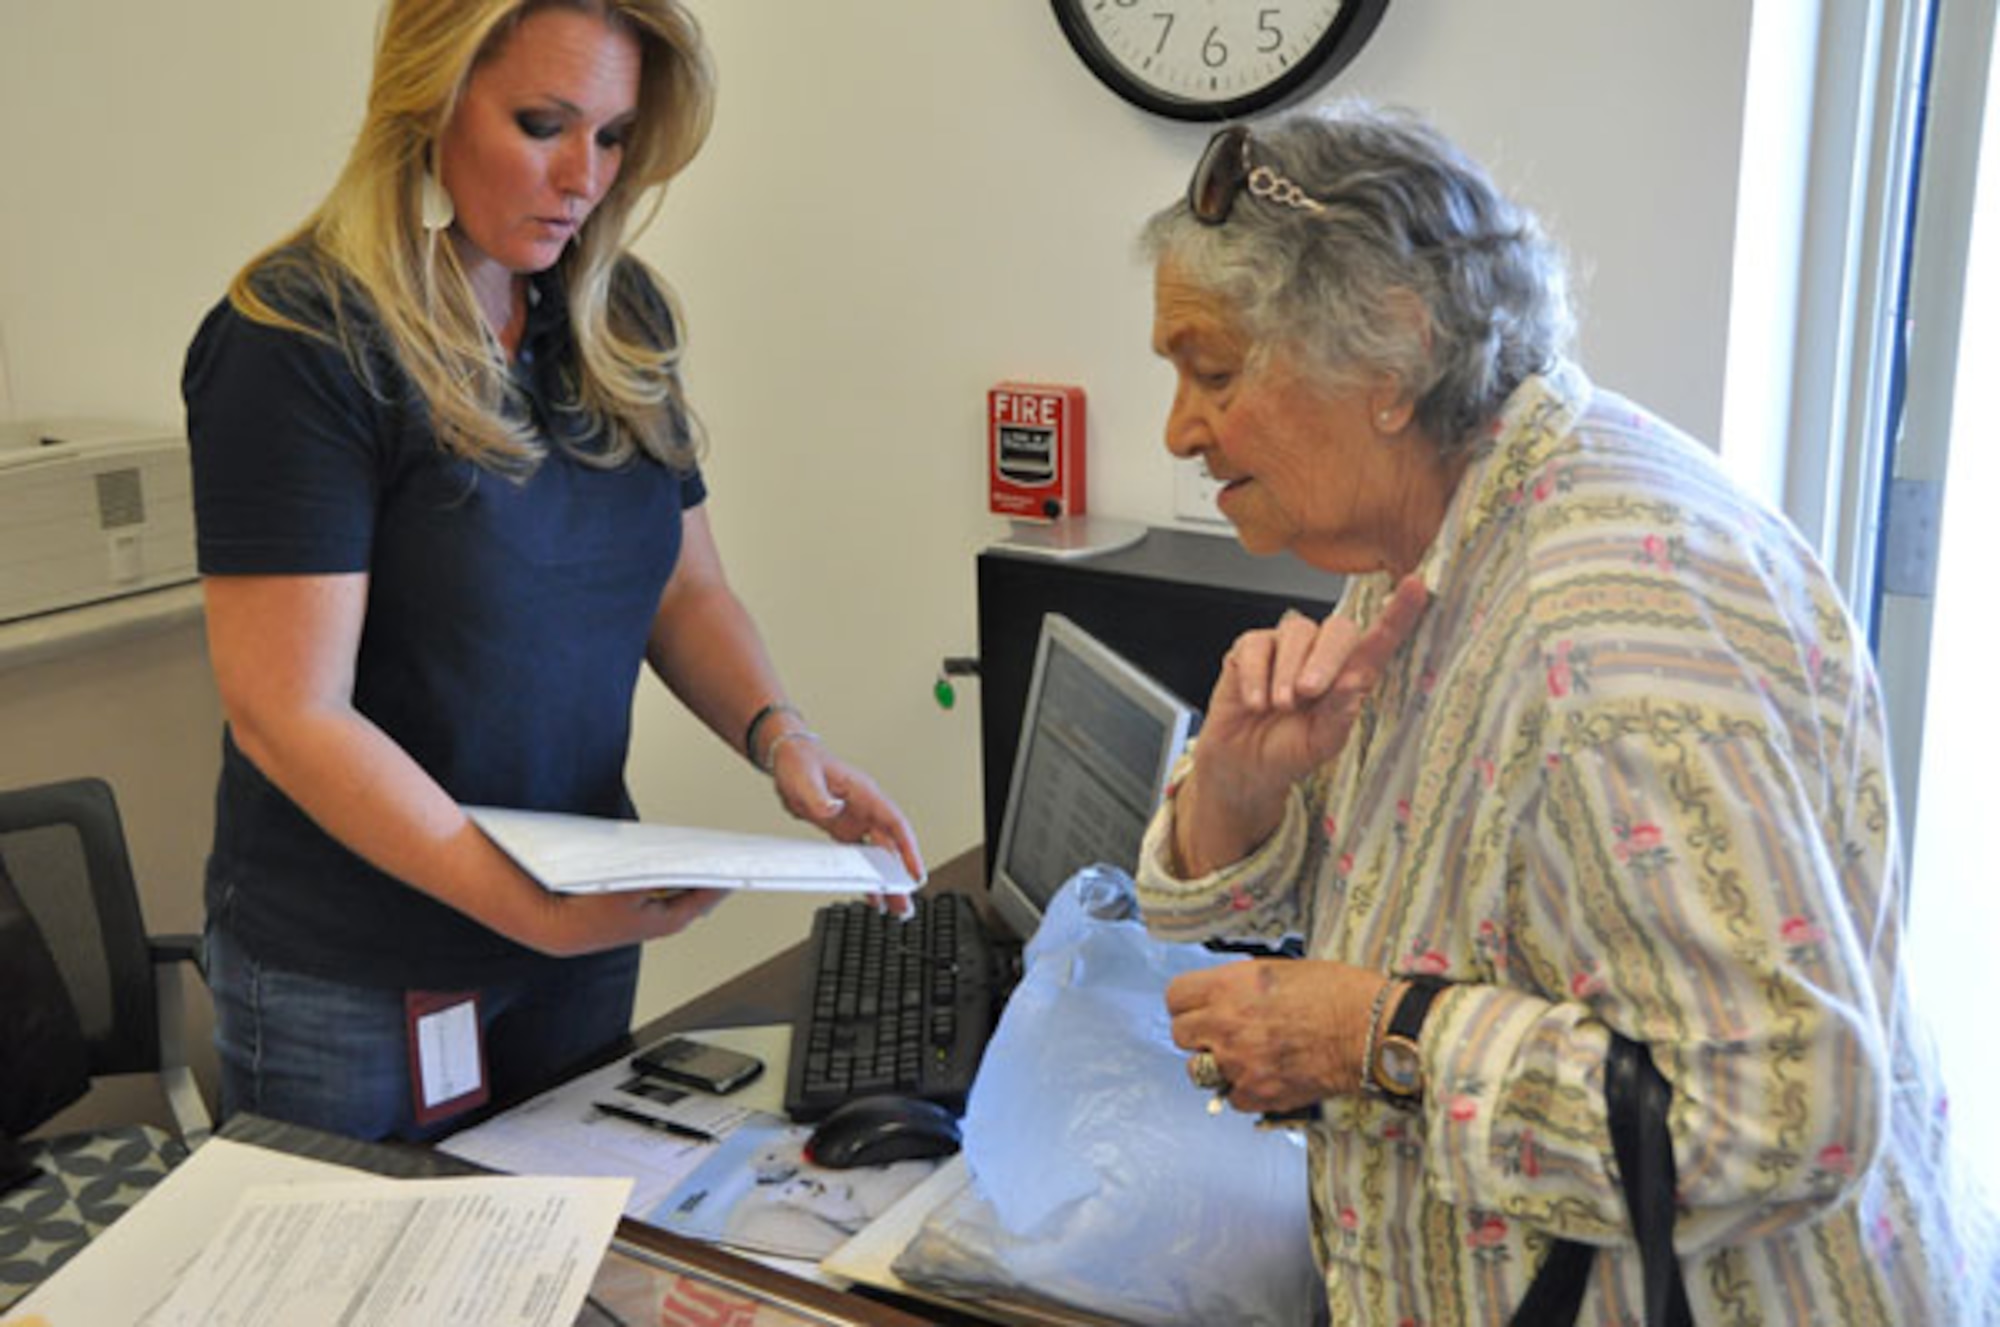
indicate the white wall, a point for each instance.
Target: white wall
{"x":904,"y":202}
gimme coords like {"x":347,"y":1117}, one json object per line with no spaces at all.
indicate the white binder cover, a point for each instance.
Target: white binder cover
{"x":589,"y":855}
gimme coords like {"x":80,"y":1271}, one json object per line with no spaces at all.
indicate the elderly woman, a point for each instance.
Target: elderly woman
{"x":1591,"y":747}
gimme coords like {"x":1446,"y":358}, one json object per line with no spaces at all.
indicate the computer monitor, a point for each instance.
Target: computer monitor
{"x":1098,"y":739}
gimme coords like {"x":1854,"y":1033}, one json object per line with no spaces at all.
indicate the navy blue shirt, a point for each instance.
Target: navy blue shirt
{"x":506,"y":620}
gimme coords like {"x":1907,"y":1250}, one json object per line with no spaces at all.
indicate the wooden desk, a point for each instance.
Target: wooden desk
{"x":767,"y":993}
{"x":719,"y":1272}
{"x":726,"y":1281}
{"x":770,"y":993}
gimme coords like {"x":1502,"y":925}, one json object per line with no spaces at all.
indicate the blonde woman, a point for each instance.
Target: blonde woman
{"x":448,"y":502}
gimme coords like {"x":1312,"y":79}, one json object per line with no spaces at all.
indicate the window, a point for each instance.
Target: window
{"x":1954,"y":320}
{"x":1890,"y":359}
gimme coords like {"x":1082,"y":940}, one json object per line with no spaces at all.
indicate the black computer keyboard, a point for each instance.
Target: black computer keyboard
{"x":894,"y":1006}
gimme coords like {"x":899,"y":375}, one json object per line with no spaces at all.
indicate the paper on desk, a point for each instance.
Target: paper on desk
{"x":128,"y":1268}
{"x":561,"y":1133}
{"x":592,"y":855}
{"x":156,"y":1265}
{"x":758,"y":1191}
{"x":480,"y":1251}
{"x":869,"y":1258}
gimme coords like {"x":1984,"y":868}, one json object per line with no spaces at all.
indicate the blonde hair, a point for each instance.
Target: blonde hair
{"x":367,"y":235}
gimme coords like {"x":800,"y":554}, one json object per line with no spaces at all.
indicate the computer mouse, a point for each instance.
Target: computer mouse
{"x":875,"y":1130}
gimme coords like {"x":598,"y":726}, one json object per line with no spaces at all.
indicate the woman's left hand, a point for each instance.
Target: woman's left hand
{"x":820,"y":788}
{"x":1285,"y":1032}
{"x":1283,"y":706}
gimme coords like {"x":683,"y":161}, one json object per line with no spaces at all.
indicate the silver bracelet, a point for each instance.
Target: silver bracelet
{"x":1376,"y":1009}
{"x":770,"y":762}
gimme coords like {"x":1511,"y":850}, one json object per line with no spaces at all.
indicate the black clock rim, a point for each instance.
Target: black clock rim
{"x":1336,"y":48}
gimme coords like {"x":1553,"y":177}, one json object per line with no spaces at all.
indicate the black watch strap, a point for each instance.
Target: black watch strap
{"x":1415,"y":1006}
{"x":1397,"y":1072}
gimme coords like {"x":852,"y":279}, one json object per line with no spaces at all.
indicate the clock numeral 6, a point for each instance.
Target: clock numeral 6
{"x":1214,"y":51}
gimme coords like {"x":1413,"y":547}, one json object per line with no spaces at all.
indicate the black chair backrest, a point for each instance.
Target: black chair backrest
{"x":64,"y":848}
{"x":44,"y":1063}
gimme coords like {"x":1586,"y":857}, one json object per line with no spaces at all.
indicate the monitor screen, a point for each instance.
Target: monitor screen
{"x":1098,"y":739}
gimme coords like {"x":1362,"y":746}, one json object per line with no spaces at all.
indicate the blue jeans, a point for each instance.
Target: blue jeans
{"x":311,"y":1051}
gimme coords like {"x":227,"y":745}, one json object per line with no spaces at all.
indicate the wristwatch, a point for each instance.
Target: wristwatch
{"x":1397,"y":1073}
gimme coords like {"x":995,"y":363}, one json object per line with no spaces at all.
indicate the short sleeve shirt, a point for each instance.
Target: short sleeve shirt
{"x":506,"y":622}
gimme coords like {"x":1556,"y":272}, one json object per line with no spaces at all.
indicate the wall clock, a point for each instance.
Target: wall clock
{"x":1216,"y":59}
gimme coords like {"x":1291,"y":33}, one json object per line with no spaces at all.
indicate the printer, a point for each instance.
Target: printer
{"x":91,"y":510}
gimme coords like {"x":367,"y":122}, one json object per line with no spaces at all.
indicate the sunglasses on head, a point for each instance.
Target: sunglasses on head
{"x":1225,"y":171}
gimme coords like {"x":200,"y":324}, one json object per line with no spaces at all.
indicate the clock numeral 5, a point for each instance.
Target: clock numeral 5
{"x":1270,"y":30}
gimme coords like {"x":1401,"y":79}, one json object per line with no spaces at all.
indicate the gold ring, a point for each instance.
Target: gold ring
{"x":1205,"y":1073}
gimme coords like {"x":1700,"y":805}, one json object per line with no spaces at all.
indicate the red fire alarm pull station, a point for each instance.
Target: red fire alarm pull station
{"x":1034,"y":451}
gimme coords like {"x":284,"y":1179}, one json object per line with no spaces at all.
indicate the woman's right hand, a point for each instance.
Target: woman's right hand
{"x":1283,"y":706}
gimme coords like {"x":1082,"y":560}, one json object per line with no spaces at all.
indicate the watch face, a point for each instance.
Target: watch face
{"x":1210,"y":60}
{"x":1399,"y":1066}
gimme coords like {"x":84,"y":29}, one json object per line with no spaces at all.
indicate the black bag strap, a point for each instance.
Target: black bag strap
{"x":1555,"y":1296}
{"x":1636,"y":1097}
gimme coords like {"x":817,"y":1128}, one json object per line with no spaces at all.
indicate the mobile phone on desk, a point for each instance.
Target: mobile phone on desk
{"x":698,"y":1065}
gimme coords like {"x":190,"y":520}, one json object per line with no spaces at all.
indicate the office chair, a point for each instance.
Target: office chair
{"x":67,"y":895}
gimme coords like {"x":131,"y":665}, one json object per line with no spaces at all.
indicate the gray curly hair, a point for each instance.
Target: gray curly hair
{"x":1407,"y":223}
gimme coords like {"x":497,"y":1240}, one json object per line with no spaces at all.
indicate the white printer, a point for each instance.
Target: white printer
{"x":90,"y":510}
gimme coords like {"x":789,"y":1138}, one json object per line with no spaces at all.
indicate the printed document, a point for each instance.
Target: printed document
{"x":238,"y":1233}
{"x":486,"y":1251}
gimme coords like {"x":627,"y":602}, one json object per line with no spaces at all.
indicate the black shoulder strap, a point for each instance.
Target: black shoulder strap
{"x":1555,"y":1296}
{"x":1636,"y":1097}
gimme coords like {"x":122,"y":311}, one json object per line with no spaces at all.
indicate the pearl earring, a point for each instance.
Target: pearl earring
{"x":434,"y":206}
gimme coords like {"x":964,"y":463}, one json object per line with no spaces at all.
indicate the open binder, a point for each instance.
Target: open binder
{"x":574,"y":854}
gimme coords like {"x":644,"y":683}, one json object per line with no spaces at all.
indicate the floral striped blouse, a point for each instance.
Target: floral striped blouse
{"x":1629,"y":773}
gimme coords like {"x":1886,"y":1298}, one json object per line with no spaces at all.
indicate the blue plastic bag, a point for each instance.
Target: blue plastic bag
{"x":1099,"y":1179}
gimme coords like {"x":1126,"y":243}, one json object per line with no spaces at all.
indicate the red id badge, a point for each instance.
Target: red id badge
{"x":447,"y":1054}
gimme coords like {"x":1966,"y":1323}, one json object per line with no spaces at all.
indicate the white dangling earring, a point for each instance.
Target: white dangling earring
{"x":434,"y":205}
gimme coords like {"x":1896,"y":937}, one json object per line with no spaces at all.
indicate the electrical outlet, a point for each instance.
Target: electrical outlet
{"x":1194,"y":494}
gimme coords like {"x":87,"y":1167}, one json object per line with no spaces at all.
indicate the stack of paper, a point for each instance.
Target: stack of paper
{"x":244,"y":1234}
